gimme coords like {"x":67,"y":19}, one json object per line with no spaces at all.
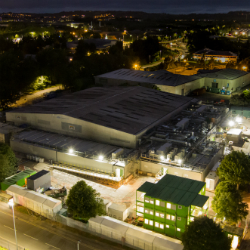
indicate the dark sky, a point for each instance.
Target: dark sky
{"x":166,"y":6}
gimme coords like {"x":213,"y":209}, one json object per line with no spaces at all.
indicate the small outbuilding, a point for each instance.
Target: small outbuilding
{"x":39,"y":180}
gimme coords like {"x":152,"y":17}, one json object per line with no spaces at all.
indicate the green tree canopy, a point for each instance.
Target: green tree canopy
{"x":235,"y":169}
{"x":203,"y":233}
{"x":83,"y":202}
{"x":8,"y":161}
{"x":228,"y":204}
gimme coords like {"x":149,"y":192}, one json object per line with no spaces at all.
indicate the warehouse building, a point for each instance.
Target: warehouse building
{"x":75,"y":155}
{"x":227,"y":79}
{"x":169,"y":205}
{"x":220,"y":56}
{"x":117,"y":116}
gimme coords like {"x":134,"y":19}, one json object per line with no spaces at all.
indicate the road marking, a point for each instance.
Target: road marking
{"x":52,"y":246}
{"x":10,"y":228}
{"x":30,"y":236}
{"x":14,"y":243}
{"x":49,"y":230}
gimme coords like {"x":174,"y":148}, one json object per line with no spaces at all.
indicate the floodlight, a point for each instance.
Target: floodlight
{"x":238,"y":119}
{"x":179,"y":161}
{"x":162,"y":158}
{"x":231,"y":123}
{"x":100,"y":157}
{"x":71,"y":150}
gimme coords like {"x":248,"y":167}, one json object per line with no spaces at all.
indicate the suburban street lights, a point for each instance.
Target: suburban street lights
{"x":11,"y":203}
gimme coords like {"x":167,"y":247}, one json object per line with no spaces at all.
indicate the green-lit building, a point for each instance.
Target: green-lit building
{"x":18,"y":179}
{"x":169,"y":205}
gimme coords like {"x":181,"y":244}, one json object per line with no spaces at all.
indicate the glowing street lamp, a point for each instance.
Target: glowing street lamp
{"x":162,"y":158}
{"x":135,"y":66}
{"x":11,"y":203}
{"x":231,"y":123}
{"x":71,"y":151}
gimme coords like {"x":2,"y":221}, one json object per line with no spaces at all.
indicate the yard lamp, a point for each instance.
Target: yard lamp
{"x":11,"y":203}
{"x":162,"y":158}
{"x":71,"y":151}
{"x":135,"y":66}
{"x":231,"y":123}
{"x":179,"y":161}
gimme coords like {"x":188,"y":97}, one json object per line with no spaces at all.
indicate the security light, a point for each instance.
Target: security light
{"x":162,"y":158}
{"x":71,"y":151}
{"x":231,"y":123}
{"x":100,"y":157}
{"x":238,"y":119}
{"x":179,"y":161}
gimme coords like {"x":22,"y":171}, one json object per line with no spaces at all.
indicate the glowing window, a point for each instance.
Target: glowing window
{"x":156,"y":224}
{"x":146,"y":221}
{"x":157,"y":214}
{"x":167,"y":226}
{"x":157,"y":202}
{"x":151,"y":212}
{"x":151,"y":223}
{"x":172,"y":217}
{"x":162,"y":216}
{"x":161,"y":226}
{"x":169,"y":205}
{"x":146,"y":211}
{"x":168,"y":217}
{"x":178,"y":229}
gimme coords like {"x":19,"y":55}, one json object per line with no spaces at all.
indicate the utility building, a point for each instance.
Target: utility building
{"x":117,"y":116}
{"x":169,"y":205}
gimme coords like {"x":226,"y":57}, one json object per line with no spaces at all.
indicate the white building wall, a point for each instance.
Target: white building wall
{"x":83,"y":129}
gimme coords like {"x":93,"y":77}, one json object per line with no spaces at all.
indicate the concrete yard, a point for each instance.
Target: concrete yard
{"x":124,"y":194}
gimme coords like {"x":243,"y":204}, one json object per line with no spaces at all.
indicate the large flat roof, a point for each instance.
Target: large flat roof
{"x":127,"y":109}
{"x":64,"y":143}
{"x":175,"y":189}
{"x":160,"y":77}
{"x":229,"y":74}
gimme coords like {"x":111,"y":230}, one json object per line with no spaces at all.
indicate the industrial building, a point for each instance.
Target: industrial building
{"x":169,"y":205}
{"x":117,"y":116}
{"x":185,"y":145}
{"x":87,"y":157}
{"x":220,"y":56}
{"x":39,"y":181}
{"x":227,"y":79}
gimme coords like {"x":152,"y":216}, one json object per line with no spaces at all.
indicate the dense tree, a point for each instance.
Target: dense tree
{"x":235,"y":169}
{"x":228,"y":204}
{"x":52,"y":63}
{"x":83,"y":49}
{"x":83,"y":202}
{"x":203,"y":233}
{"x":8,"y":161}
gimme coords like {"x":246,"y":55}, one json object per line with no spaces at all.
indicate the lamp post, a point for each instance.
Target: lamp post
{"x":11,"y":203}
{"x":78,"y":245}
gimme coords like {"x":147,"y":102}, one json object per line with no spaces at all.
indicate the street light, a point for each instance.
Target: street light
{"x":11,"y":203}
{"x":78,"y":244}
{"x":71,"y":150}
{"x":238,"y":119}
{"x":231,"y":123}
{"x":100,"y":157}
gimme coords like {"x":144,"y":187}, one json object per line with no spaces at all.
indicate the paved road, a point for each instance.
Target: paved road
{"x":32,"y":237}
{"x":34,"y":234}
{"x":36,"y":95}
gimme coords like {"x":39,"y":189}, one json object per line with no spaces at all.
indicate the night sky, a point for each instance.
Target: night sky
{"x":166,"y":6}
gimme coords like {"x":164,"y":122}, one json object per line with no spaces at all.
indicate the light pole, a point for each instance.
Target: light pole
{"x":78,"y":245}
{"x":11,"y":203}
